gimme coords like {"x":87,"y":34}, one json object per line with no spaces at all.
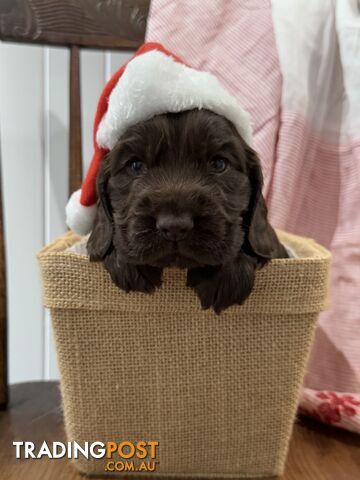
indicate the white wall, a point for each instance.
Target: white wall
{"x":34,"y":128}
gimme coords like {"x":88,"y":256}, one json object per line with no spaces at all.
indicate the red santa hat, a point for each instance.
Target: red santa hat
{"x":153,"y":82}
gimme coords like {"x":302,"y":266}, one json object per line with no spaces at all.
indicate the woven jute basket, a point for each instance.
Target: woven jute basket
{"x":219,"y":393}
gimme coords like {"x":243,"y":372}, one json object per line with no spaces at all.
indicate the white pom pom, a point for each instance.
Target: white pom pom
{"x":78,"y":217}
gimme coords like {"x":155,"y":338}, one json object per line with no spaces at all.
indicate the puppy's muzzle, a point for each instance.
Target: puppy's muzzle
{"x":174,"y":227}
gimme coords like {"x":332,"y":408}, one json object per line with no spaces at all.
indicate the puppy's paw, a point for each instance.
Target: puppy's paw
{"x":223,"y":286}
{"x":133,"y":278}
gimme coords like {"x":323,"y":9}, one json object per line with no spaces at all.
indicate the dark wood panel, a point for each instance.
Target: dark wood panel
{"x":3,"y":309}
{"x":317,"y":452}
{"x":89,"y":23}
{"x":75,"y":153}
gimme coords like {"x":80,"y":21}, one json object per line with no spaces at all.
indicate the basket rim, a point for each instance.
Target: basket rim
{"x":284,"y":286}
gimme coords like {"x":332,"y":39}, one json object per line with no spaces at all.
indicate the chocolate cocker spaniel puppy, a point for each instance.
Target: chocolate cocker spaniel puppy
{"x":183,"y":190}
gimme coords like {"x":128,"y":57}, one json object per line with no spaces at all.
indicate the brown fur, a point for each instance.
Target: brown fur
{"x":163,"y":176}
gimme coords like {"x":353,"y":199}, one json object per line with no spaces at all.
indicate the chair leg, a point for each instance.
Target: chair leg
{"x":75,"y":158}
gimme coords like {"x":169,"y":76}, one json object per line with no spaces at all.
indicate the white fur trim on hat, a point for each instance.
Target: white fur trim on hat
{"x":153,"y":84}
{"x":79,"y":217}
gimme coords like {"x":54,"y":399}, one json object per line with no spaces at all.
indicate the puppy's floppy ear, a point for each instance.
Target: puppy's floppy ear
{"x":100,"y":240}
{"x":260,"y":237}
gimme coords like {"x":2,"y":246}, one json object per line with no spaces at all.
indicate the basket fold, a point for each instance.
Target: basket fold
{"x":71,"y":281}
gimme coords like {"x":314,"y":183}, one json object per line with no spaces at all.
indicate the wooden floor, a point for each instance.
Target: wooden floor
{"x":316,"y":452}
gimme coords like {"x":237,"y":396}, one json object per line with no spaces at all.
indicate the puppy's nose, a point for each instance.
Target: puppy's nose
{"x":174,"y":227}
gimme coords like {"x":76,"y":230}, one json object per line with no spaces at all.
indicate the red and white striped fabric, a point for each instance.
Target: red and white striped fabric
{"x":295,"y":67}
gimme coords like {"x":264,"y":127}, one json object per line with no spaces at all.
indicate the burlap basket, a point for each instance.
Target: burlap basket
{"x":219,"y":393}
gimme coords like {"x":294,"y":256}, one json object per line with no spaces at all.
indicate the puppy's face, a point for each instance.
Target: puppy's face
{"x":177,"y":189}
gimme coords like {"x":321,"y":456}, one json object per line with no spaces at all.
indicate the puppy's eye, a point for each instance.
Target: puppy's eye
{"x":137,"y":166}
{"x":218,"y":165}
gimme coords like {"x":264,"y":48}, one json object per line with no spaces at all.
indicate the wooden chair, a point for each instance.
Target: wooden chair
{"x":316,"y":451}
{"x":72,"y":23}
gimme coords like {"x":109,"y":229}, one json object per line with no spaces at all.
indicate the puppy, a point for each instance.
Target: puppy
{"x":183,"y":190}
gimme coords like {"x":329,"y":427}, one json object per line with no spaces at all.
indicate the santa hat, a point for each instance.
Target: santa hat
{"x":153,"y":82}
